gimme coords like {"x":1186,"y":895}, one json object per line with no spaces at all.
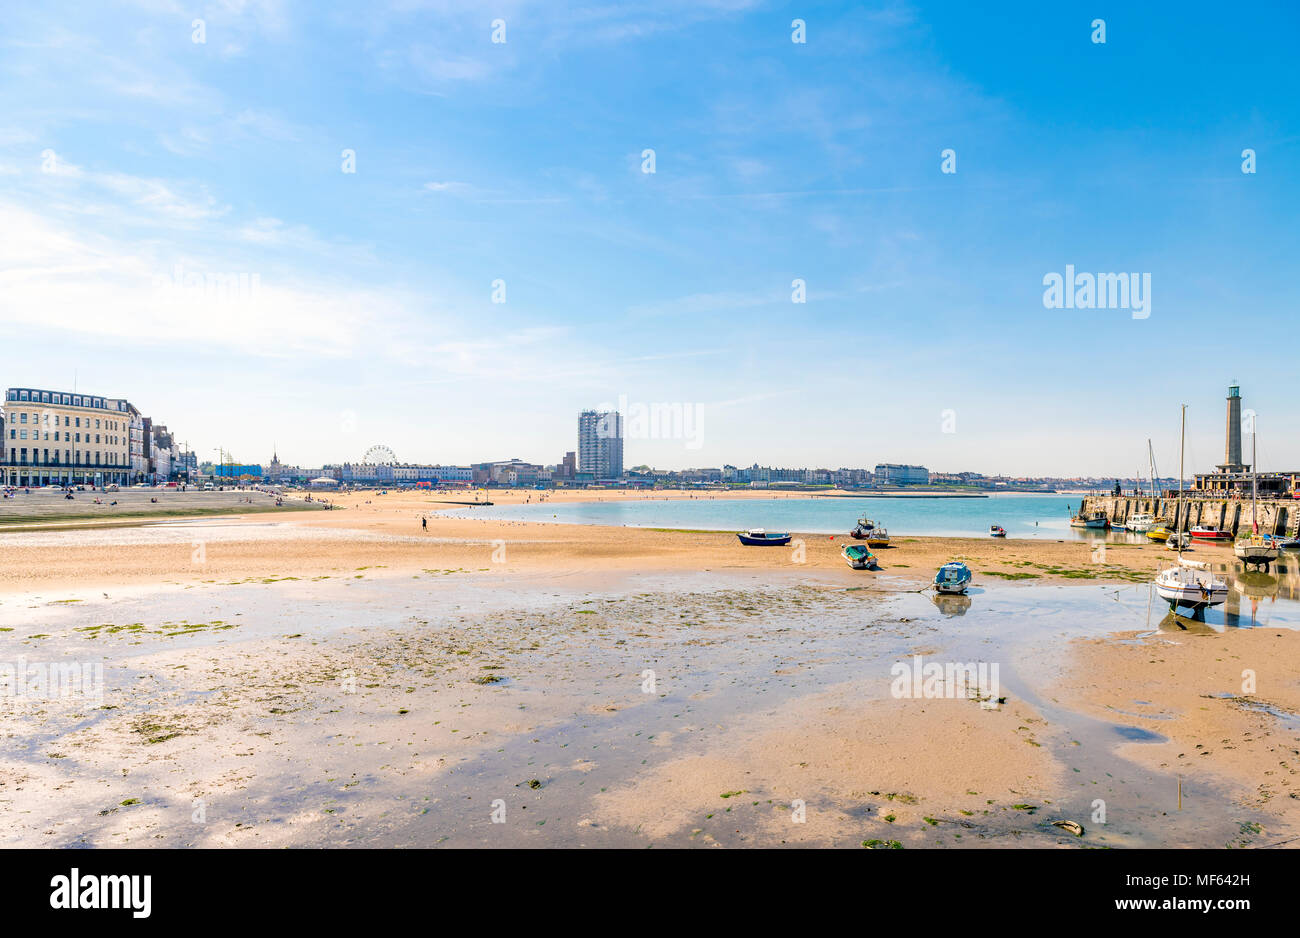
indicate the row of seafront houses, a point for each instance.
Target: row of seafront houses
{"x":517,"y":472}
{"x":70,"y":438}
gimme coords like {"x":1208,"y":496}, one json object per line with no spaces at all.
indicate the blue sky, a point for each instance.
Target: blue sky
{"x":127,"y":151}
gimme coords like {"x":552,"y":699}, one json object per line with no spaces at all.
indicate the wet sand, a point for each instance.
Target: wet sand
{"x":342,"y":679}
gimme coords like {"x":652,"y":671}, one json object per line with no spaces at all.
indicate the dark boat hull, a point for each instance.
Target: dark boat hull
{"x":750,"y":541}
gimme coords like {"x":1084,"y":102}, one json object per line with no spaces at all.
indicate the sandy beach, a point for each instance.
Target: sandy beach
{"x":384,"y":531}
{"x":348,"y":678}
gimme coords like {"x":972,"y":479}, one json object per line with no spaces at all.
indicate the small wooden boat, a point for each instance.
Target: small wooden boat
{"x":1205,"y":532}
{"x":878,"y":537}
{"x":1094,"y":519}
{"x":757,"y":537}
{"x":1160,"y":532}
{"x":953,"y":577}
{"x":996,"y":530}
{"x":858,"y":557}
{"x":1177,"y":541}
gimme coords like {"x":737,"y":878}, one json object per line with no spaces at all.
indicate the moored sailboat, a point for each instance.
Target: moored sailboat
{"x":1191,"y":584}
{"x":1255,"y":549}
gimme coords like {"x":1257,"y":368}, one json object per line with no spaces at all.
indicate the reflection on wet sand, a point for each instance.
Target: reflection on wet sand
{"x":952,"y":605}
{"x":1173,"y":622}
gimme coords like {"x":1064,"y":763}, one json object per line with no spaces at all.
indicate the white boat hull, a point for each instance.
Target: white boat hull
{"x":1191,"y":585}
{"x":1192,"y":597}
{"x":1255,"y":553}
{"x":950,"y":589}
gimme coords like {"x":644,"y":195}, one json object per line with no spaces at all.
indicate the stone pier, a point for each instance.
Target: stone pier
{"x":1276,"y":516}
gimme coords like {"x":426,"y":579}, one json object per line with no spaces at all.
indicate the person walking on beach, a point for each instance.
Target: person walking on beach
{"x":424,"y":524}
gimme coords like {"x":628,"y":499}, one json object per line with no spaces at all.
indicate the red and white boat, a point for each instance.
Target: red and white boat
{"x":1204,"y":532}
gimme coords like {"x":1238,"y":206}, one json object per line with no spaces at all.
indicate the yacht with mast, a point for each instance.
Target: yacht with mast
{"x":1190,"y":584}
{"x":1255,"y":549}
{"x":1143,"y":521}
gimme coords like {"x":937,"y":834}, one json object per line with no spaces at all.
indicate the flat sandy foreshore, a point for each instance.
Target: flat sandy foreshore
{"x":347,"y":678}
{"x":385,"y":531}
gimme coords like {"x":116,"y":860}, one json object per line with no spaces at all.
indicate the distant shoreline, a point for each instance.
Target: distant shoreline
{"x":901,"y":495}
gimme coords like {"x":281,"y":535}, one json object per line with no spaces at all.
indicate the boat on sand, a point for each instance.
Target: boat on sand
{"x":953,"y":577}
{"x":757,"y":537}
{"x":858,"y":557}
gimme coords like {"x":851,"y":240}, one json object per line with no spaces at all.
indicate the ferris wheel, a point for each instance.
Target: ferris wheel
{"x":379,"y":455}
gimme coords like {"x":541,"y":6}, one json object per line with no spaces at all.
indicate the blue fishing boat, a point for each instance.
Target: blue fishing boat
{"x":953,"y":577}
{"x":757,"y":537}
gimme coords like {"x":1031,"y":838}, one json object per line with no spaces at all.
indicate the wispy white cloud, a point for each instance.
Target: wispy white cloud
{"x":83,"y":191}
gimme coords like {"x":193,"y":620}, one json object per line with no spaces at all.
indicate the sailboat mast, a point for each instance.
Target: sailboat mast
{"x":1151,"y":460}
{"x":1182,"y":446}
{"x":1254,"y":477}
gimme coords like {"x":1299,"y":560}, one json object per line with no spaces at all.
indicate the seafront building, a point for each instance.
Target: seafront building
{"x":63,"y":438}
{"x":380,"y":473}
{"x":600,"y":443}
{"x":899,"y":474}
{"x":70,"y":438}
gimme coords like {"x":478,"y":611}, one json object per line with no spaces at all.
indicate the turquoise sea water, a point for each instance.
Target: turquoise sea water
{"x":1045,"y":516}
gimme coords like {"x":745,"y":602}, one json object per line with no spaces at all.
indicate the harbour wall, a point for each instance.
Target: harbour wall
{"x":1276,"y":516}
